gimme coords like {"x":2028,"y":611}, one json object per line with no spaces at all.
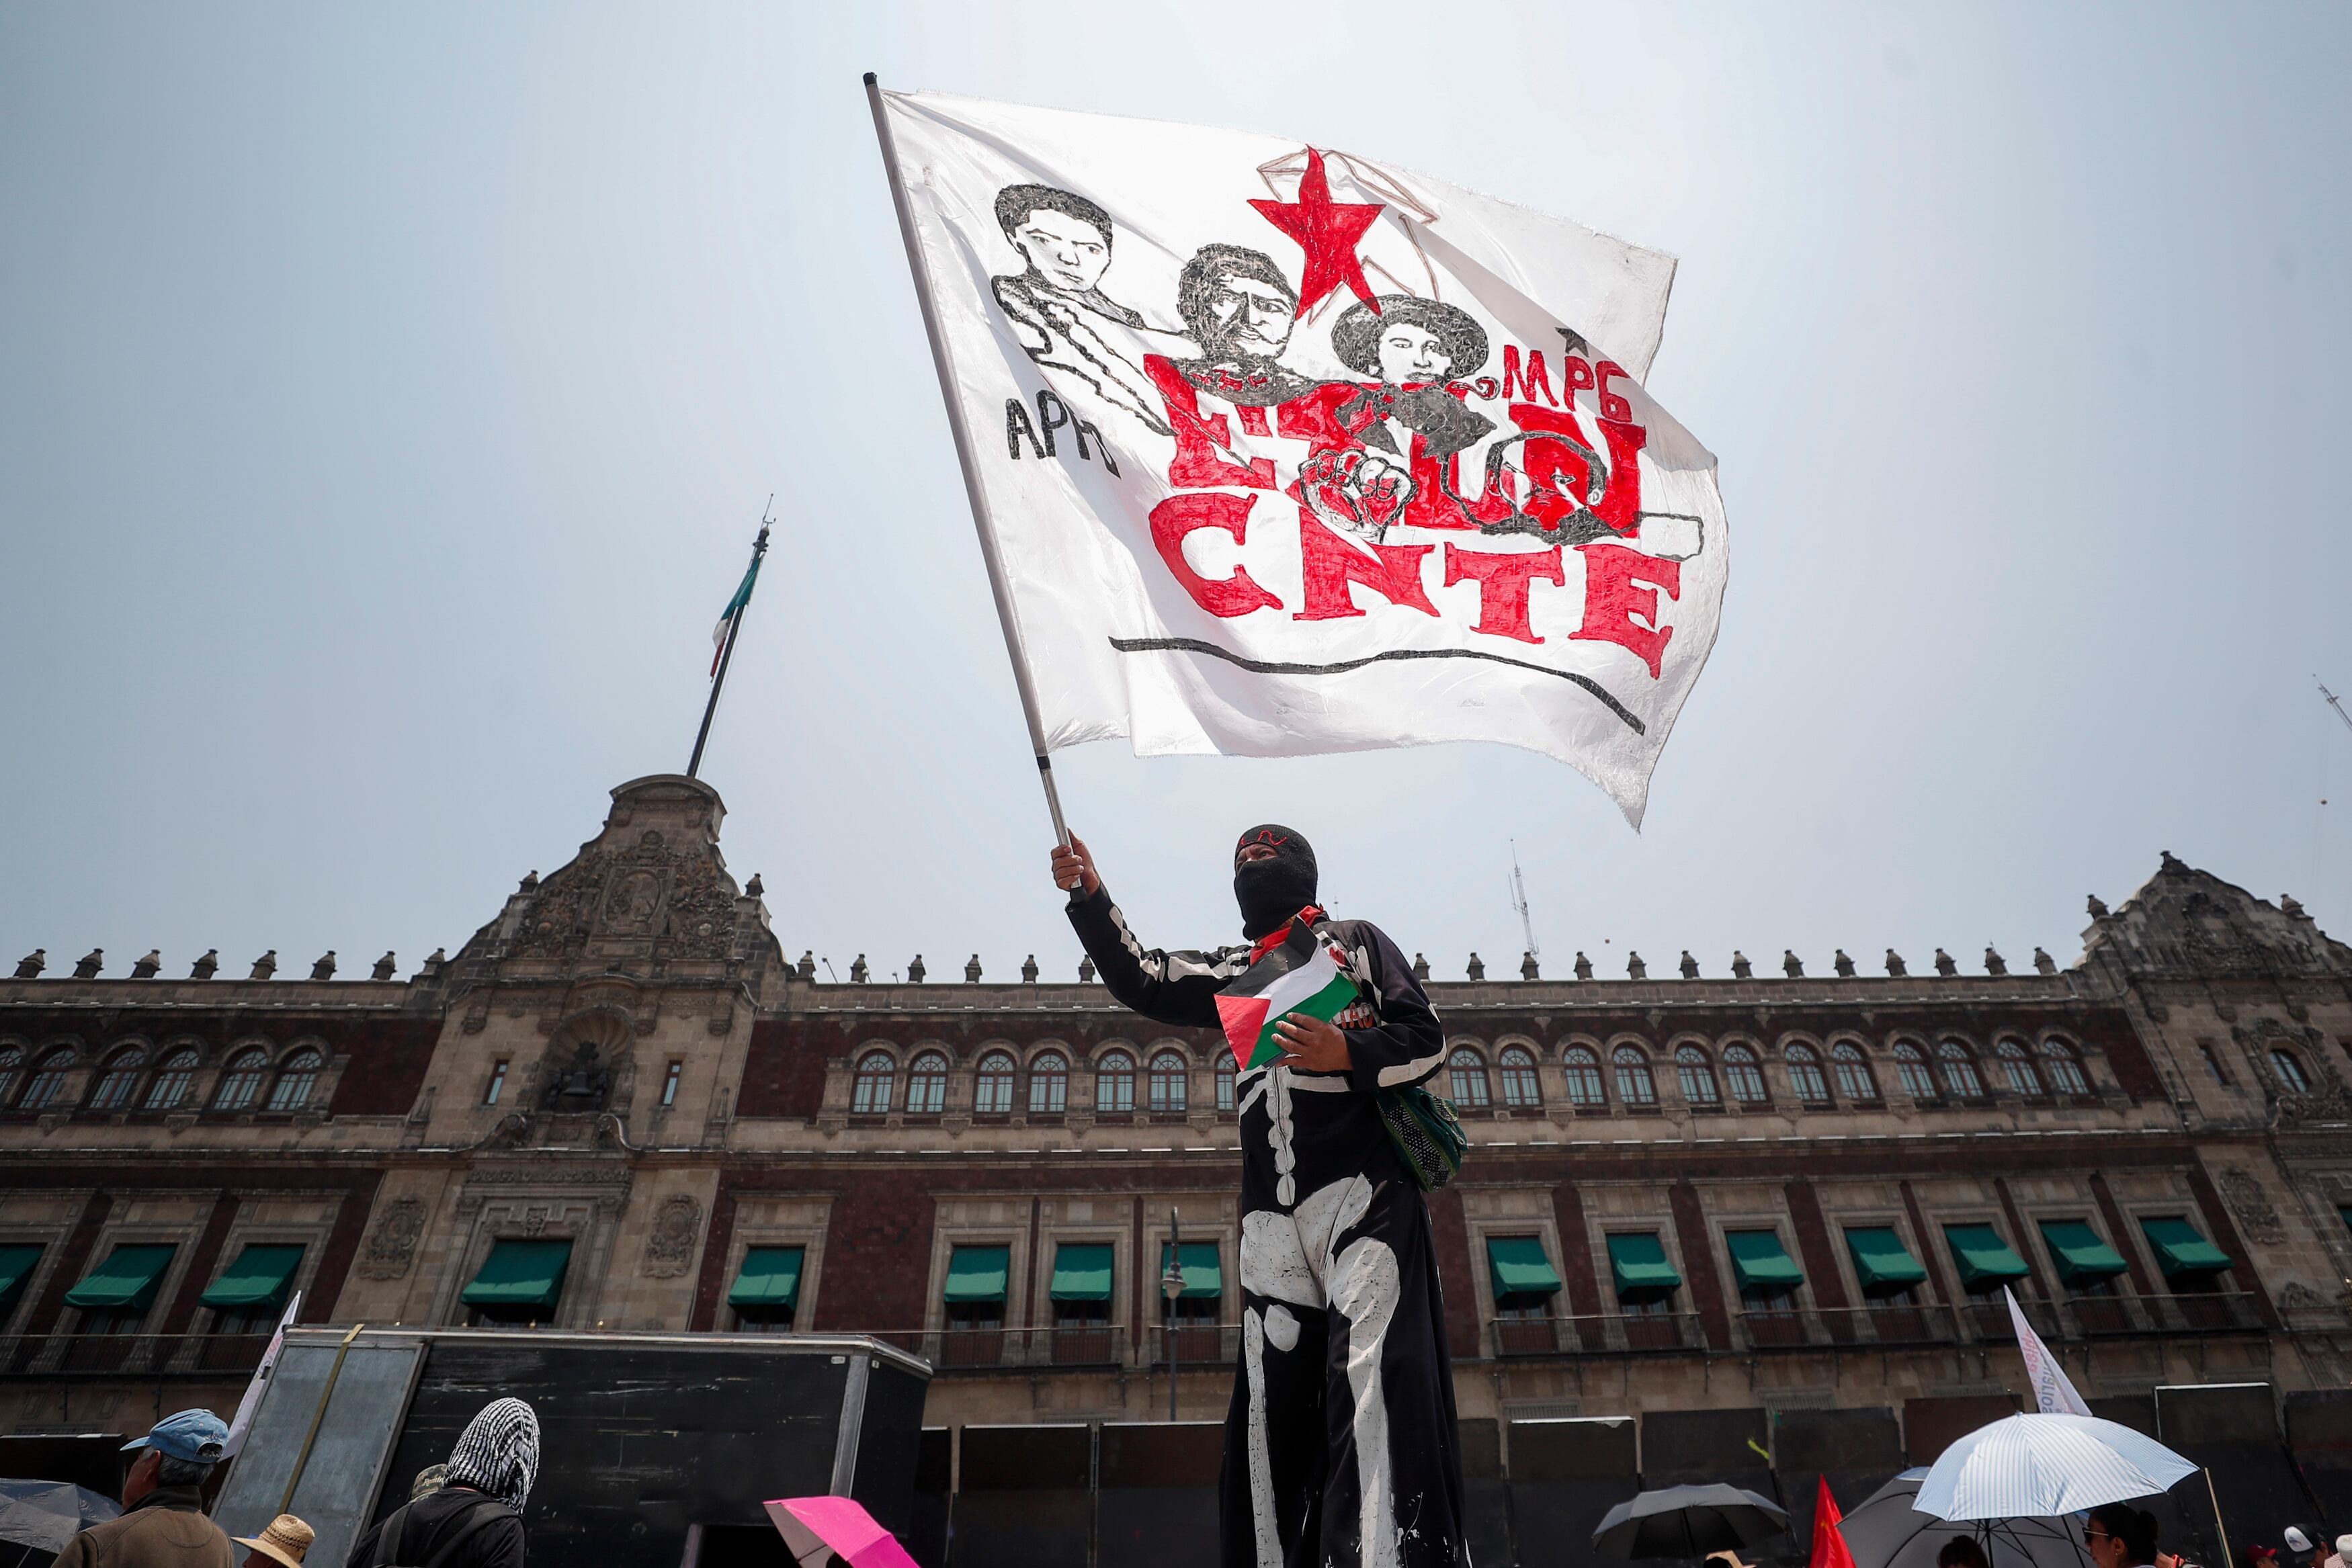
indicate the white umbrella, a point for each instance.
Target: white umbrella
{"x":2034,"y":1466}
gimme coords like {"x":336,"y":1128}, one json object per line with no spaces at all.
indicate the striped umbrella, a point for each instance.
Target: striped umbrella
{"x":2035,"y":1465}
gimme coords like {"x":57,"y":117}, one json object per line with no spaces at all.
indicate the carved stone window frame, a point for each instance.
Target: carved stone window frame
{"x":583,"y":1208}
{"x":806,"y":1230}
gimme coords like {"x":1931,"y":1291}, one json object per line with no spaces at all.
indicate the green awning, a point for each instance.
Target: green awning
{"x":126,"y":1281}
{"x":1639,"y":1264}
{"x":16,"y":1267}
{"x":1517,"y":1267}
{"x":2182,"y":1249}
{"x":1984,"y":1258}
{"x":1759,"y":1261}
{"x":1204,"y":1275}
{"x":978,"y":1273}
{"x":1881,"y":1262}
{"x":770,"y":1277}
{"x":259,"y":1277}
{"x":2079,"y":1252}
{"x":520,"y":1274}
{"x":1081,"y":1272}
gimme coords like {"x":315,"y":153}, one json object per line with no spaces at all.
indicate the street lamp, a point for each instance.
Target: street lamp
{"x":1171,"y":1285}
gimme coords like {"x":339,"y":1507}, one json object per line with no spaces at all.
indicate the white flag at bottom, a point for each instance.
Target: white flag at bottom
{"x":242,"y":1423}
{"x":2054,"y":1391}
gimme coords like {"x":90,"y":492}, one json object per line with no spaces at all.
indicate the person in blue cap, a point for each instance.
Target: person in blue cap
{"x":163,"y":1523}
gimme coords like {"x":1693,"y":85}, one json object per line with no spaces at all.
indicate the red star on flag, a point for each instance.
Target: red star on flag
{"x":1328,"y":231}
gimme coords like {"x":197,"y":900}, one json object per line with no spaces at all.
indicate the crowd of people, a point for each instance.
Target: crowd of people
{"x":466,"y":1513}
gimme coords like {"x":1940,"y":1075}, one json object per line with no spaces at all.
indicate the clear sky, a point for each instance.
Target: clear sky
{"x":388,"y":394}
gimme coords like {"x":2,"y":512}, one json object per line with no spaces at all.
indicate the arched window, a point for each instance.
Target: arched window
{"x":1465,"y":1077}
{"x":1634,"y":1084}
{"x":1854,"y":1079}
{"x":2065,"y":1073}
{"x":1519,"y":1091}
{"x":2291,"y":1075}
{"x":240,"y":1087}
{"x":1583,"y":1071}
{"x":1805,"y":1076}
{"x":869,"y":1091}
{"x":1049,"y":1084}
{"x":1114,"y":1081}
{"x":1697,"y":1076}
{"x":173,"y":1081}
{"x":2017,"y":1066}
{"x":117,"y":1083}
{"x":926,"y":1084}
{"x":1960,"y":1071}
{"x":1747,"y":1077}
{"x":1224,"y":1079}
{"x":12,"y":1066}
{"x":296,"y":1079}
{"x":47,"y":1083}
{"x":1911,"y":1066}
{"x":993,"y":1095}
{"x":1167,"y":1082}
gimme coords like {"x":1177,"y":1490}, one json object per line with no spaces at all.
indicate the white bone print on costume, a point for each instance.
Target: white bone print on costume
{"x":1275,"y":1088}
{"x":1288,"y":1256}
{"x":1364,"y":1286}
{"x":1261,"y":1462}
{"x":1280,"y":1134}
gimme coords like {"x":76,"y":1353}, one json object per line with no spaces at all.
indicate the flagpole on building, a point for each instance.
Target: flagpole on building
{"x":955,"y":426}
{"x":727,"y":649}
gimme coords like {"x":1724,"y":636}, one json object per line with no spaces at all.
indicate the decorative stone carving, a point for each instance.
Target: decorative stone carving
{"x":2251,"y":1207}
{"x":2298,"y":1297}
{"x":678,"y":1225}
{"x":391,"y":1247}
{"x":633,"y":903}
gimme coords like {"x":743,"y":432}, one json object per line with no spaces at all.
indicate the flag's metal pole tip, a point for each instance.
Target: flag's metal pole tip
{"x":869,"y":78}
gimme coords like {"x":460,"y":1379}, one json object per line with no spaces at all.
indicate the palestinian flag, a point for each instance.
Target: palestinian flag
{"x":1296,"y":977}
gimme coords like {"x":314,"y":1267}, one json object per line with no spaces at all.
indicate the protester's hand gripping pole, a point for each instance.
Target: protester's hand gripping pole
{"x":972,"y":486}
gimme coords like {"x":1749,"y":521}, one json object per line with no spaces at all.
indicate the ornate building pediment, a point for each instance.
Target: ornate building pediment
{"x":2187,"y":922}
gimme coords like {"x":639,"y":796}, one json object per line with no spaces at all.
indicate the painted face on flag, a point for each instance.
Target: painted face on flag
{"x":1067,"y":252}
{"x":1411,"y":353}
{"x":1236,"y":303}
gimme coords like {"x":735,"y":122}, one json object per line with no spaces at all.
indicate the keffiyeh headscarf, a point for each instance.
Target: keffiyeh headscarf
{"x":499,"y":1452}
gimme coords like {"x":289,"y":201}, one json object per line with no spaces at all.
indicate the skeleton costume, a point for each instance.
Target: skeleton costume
{"x":1339,"y":1445}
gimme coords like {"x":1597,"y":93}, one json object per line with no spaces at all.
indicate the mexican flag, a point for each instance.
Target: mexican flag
{"x":733,"y":613}
{"x":1296,"y":977}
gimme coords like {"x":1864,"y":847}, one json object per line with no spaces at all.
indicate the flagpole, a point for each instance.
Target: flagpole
{"x":727,"y":653}
{"x":955,"y":426}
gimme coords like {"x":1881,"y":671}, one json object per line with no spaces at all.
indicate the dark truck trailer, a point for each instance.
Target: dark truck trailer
{"x":655,"y":1451}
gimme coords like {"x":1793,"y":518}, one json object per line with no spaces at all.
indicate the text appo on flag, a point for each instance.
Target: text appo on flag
{"x":1279,"y":451}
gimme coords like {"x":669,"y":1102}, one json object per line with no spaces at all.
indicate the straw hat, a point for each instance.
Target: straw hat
{"x":288,"y":1540}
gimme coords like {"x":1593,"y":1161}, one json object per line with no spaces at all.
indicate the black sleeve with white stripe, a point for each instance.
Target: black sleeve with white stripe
{"x":1177,"y":988}
{"x":1406,"y":1046}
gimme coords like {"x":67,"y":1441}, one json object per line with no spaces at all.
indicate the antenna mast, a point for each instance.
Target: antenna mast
{"x":2338,"y":706}
{"x":1520,"y":900}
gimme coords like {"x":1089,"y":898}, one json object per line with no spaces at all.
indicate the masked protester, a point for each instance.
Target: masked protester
{"x":1339,"y":1443}
{"x":474,"y":1519}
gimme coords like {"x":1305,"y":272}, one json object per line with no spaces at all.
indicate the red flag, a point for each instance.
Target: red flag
{"x":1829,"y":1540}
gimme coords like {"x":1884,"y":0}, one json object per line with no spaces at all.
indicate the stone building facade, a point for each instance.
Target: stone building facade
{"x":1784,"y":1190}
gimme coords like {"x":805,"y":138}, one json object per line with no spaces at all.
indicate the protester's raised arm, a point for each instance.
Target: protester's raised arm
{"x":1176,"y":988}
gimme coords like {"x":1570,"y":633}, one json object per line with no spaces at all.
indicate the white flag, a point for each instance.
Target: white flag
{"x":242,"y":1423}
{"x":1286,"y":451}
{"x":2054,"y":1391}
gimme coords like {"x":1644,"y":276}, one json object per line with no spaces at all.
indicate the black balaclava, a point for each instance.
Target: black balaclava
{"x":1271,"y":891}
